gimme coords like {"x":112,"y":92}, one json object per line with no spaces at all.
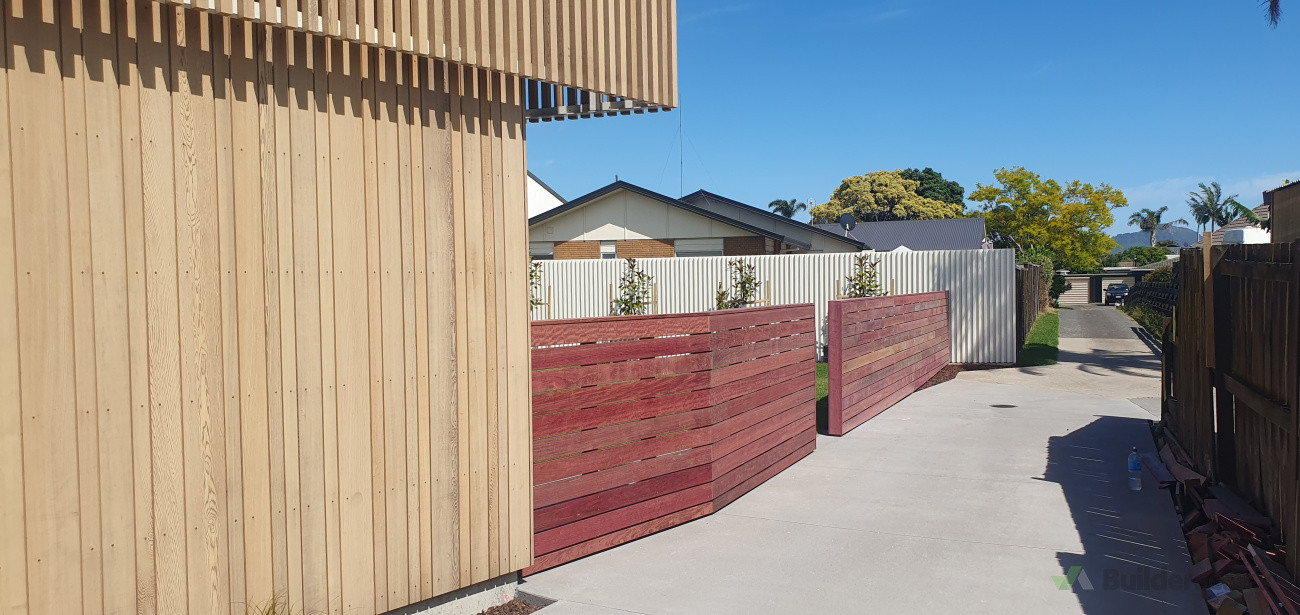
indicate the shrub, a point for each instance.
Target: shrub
{"x":865,"y":279}
{"x":1041,"y":257}
{"x":1151,"y":320}
{"x":1163,"y":274}
{"x":744,"y":286}
{"x":1059,"y":286}
{"x":534,"y":282}
{"x":633,"y":292}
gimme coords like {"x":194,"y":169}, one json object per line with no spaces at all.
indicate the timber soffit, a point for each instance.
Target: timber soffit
{"x":578,"y":59}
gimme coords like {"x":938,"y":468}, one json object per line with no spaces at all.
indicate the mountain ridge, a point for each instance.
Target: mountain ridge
{"x":1181,"y":234}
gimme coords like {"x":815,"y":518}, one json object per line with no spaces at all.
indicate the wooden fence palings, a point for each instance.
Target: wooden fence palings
{"x":1029,"y":300}
{"x":880,"y":350}
{"x":646,"y":422}
{"x":1254,"y":373}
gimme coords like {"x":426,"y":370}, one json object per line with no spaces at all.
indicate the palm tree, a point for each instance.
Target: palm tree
{"x":1210,"y":207}
{"x":1274,"y":11}
{"x":1150,"y":221}
{"x":1250,"y":216}
{"x":787,"y":208}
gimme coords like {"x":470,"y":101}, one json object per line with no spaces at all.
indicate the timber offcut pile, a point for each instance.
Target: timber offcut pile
{"x":1237,"y":551}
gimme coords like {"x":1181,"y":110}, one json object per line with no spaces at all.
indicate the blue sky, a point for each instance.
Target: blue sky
{"x":784,"y":99}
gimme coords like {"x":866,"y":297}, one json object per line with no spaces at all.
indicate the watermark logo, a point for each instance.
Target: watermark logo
{"x":1149,"y":579}
{"x":1074,"y":575}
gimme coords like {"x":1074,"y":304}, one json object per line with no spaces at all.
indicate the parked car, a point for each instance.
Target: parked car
{"x":1116,"y":294}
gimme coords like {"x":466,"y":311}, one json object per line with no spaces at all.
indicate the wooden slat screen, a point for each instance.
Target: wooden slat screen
{"x":646,"y":422}
{"x":881,"y":349}
{"x":622,"y":48}
{"x":264,"y":324}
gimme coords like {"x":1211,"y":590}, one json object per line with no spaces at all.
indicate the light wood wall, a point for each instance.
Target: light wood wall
{"x":626,"y":48}
{"x":263,"y":317}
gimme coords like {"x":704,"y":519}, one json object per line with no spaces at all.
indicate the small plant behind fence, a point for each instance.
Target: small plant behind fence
{"x":744,"y":287}
{"x":634,"y":292}
{"x":865,"y":279}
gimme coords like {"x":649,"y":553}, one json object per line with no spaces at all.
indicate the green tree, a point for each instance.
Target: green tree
{"x":1139,"y":256}
{"x":934,"y":186}
{"x":1250,"y":216}
{"x":1209,"y":206}
{"x":1025,"y":211}
{"x":1151,"y":222}
{"x":787,"y":208}
{"x":883,"y":196}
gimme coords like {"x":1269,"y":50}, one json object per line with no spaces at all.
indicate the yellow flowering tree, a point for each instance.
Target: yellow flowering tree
{"x":1027,"y":212}
{"x":883,"y":196}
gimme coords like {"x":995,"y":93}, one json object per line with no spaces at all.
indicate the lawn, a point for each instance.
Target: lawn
{"x":823,"y":405}
{"x":1041,"y":348}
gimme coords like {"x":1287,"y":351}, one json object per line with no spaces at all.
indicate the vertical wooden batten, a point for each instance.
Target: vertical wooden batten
{"x":263,"y":293}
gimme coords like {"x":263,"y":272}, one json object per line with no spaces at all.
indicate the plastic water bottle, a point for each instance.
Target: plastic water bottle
{"x":1134,"y":471}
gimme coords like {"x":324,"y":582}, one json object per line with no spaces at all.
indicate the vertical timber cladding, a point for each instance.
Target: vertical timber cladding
{"x":264,"y":317}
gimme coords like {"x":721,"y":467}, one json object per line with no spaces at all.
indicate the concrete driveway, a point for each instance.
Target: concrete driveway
{"x":966,"y":497}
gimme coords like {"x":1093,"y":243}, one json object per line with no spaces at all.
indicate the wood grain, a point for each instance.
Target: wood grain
{"x":634,"y":436}
{"x":278,"y":259}
{"x":880,"y":350}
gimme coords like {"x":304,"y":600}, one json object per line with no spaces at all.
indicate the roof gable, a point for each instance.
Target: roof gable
{"x":776,"y":219}
{"x":622,"y":185}
{"x":945,"y":234}
{"x":1239,"y":222}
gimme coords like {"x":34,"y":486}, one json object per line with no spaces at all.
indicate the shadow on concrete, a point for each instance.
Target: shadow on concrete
{"x":1150,"y":341}
{"x":1103,"y":362}
{"x":1134,"y":559}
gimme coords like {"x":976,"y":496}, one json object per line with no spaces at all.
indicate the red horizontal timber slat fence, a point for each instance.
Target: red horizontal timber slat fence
{"x":641,"y":423}
{"x":880,"y":350}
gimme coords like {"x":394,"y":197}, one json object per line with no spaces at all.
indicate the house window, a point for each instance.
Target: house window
{"x":542,"y":250}
{"x":608,"y":249}
{"x":698,"y":247}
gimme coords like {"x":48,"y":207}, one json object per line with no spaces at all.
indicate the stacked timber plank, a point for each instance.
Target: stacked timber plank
{"x":880,"y":350}
{"x":642,"y":423}
{"x":1238,"y":554}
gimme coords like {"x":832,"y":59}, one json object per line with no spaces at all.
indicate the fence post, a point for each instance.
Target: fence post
{"x":834,"y":367}
{"x":1219,"y":358}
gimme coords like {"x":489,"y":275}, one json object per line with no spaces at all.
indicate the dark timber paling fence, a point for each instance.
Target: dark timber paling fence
{"x":642,"y":423}
{"x":1232,"y":373}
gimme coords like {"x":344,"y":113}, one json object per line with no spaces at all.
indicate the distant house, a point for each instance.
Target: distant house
{"x":622,"y":220}
{"x":1240,"y":223}
{"x":949,"y":234}
{"x":541,"y":198}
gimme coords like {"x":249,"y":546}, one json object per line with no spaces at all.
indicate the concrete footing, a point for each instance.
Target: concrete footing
{"x":471,"y":600}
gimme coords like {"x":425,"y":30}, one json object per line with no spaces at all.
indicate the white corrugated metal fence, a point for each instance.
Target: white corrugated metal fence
{"x":981,"y":282}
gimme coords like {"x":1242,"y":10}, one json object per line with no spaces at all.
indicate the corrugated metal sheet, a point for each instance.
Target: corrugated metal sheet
{"x":981,"y":282}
